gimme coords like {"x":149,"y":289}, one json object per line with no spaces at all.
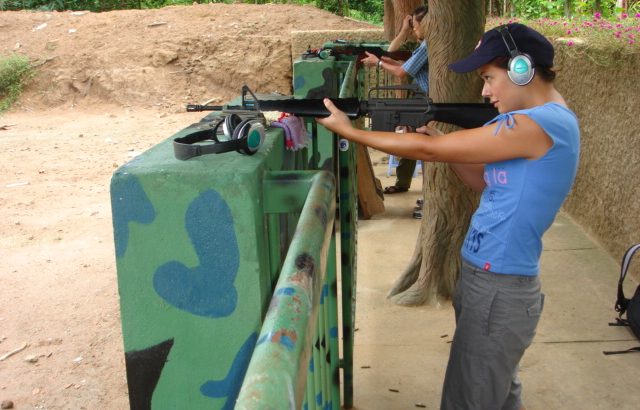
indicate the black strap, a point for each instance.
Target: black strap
{"x":186,"y":147}
{"x":632,"y":350}
{"x":508,"y":40}
{"x":622,"y":303}
{"x":619,"y":322}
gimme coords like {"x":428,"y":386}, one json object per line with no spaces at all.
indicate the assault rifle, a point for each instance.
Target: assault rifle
{"x":343,"y":48}
{"x":385,"y":113}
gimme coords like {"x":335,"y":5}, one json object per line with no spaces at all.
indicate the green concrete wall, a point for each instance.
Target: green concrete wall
{"x":199,"y":246}
{"x":193,"y":271}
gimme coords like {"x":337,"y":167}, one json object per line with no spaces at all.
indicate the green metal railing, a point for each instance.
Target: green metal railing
{"x":296,"y":363}
{"x":348,"y":240}
{"x":276,"y":377}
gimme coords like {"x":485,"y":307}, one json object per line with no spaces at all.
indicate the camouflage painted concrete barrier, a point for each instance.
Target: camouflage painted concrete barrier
{"x":198,"y":246}
{"x":202,"y":244}
{"x":194,"y":273}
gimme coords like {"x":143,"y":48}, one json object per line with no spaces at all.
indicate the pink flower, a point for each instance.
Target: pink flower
{"x":568,"y":31}
{"x":570,"y":43}
{"x":637,"y":15}
{"x":598,"y":16}
{"x":632,"y":41}
{"x":624,"y":15}
{"x":617,"y":34}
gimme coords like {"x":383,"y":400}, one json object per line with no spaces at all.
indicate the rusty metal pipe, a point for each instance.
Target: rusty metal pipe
{"x":277,"y":371}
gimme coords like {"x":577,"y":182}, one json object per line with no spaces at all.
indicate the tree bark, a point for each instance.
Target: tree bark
{"x":453,"y":28}
{"x":568,"y":8}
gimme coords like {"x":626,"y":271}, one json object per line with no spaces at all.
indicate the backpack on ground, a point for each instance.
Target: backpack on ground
{"x":629,"y":306}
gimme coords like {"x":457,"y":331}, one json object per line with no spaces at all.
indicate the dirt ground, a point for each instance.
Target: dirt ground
{"x":109,"y":86}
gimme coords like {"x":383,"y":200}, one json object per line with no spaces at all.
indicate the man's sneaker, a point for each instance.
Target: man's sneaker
{"x":417,"y":214}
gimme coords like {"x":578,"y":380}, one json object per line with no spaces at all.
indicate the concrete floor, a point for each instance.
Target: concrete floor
{"x":401,"y":353}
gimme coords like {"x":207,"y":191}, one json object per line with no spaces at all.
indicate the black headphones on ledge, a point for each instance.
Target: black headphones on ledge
{"x":242,"y":135}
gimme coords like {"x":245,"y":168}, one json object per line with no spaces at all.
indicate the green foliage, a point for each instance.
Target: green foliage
{"x":539,"y":8}
{"x":15,"y":70}
{"x":61,"y":5}
{"x":367,"y":10}
{"x":371,"y":11}
{"x":533,"y":9}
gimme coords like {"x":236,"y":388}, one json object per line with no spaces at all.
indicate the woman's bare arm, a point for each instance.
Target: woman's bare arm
{"x":525,"y":139}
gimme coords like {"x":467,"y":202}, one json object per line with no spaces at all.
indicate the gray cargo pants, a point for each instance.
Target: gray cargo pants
{"x":496,"y":319}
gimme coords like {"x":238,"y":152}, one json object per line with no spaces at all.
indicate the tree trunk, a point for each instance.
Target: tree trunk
{"x":568,"y":8}
{"x":453,"y":29}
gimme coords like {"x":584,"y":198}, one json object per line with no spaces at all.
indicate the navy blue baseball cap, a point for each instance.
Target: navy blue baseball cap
{"x":492,"y":45}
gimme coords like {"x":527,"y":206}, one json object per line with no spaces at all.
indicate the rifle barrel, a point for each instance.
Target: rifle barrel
{"x":312,"y":107}
{"x":198,"y":107}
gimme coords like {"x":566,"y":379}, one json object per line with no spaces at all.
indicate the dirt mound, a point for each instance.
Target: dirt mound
{"x":162,"y":57}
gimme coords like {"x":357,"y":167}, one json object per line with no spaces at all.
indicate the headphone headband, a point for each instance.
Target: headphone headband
{"x":188,"y":147}
{"x":508,"y":41}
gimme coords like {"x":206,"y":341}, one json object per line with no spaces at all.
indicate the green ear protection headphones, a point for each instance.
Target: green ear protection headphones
{"x":520,"y":67}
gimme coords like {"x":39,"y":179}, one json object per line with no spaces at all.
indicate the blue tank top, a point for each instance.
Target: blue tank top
{"x":522,"y":197}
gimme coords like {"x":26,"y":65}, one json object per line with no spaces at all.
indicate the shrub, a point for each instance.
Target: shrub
{"x":15,"y":71}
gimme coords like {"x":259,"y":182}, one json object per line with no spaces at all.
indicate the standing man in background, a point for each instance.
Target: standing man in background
{"x":417,"y":67}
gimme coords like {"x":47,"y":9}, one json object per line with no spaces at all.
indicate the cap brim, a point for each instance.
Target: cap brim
{"x":471,"y":63}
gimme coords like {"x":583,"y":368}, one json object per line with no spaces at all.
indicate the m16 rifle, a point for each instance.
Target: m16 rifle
{"x":385,"y":113}
{"x":340,"y":48}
